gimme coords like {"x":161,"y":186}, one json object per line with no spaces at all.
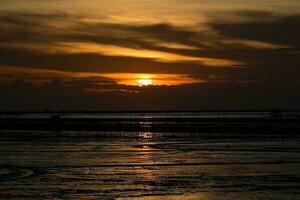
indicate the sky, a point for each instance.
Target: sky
{"x":91,"y":55}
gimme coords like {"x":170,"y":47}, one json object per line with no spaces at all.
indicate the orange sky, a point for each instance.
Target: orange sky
{"x":139,"y":43}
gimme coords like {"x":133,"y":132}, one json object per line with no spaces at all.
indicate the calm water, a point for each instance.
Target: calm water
{"x":156,"y":115}
{"x":149,"y":169}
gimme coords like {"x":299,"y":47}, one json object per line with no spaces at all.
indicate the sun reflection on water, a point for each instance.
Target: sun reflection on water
{"x":145,"y":135}
{"x":146,"y":157}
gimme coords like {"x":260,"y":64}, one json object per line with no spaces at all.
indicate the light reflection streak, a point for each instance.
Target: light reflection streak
{"x":146,"y":157}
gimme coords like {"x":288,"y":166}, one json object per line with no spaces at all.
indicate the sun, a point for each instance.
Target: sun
{"x":145,"y":82}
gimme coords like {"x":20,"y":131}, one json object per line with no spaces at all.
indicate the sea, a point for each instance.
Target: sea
{"x":78,"y":166}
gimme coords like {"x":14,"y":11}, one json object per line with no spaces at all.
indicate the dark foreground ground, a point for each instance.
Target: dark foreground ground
{"x":147,"y":168}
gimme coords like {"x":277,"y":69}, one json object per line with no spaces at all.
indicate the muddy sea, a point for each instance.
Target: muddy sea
{"x":148,"y":168}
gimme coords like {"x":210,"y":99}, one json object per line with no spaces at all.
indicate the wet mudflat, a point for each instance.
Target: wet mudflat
{"x":186,"y":168}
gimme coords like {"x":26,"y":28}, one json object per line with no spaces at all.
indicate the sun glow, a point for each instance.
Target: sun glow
{"x":136,"y":79}
{"x":145,"y":82}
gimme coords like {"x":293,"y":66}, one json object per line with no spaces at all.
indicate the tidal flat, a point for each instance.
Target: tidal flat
{"x":145,"y":168}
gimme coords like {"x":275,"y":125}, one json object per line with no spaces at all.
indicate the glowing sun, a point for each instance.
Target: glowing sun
{"x":145,"y":82}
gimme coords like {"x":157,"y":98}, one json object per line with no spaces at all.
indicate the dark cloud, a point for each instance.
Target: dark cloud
{"x":58,"y":95}
{"x":90,"y":62}
{"x":263,"y":26}
{"x":269,"y":77}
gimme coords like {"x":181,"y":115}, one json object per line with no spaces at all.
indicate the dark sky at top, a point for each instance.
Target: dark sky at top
{"x":149,"y":55}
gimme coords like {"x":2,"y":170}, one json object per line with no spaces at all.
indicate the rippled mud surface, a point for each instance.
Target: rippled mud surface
{"x":144,"y":169}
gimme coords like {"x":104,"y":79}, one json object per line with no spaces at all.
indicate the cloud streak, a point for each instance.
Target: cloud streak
{"x":86,"y":55}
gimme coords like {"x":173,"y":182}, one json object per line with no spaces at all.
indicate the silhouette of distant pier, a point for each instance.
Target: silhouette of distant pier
{"x":281,"y":123}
